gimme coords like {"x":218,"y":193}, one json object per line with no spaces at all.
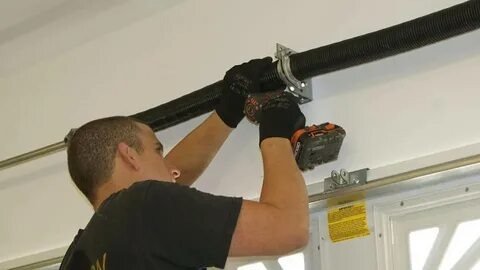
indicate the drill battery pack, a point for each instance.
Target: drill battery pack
{"x":317,"y":144}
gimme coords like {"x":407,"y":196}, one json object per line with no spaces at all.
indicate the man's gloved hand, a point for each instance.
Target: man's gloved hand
{"x":280,"y":117}
{"x":239,"y":82}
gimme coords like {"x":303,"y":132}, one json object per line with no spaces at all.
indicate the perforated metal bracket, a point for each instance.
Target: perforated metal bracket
{"x":343,"y":179}
{"x":301,"y":90}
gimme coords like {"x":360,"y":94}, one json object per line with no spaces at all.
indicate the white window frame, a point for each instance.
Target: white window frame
{"x":386,"y":213}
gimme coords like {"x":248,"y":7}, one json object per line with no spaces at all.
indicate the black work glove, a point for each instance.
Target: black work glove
{"x":239,"y":82}
{"x":280,"y":117}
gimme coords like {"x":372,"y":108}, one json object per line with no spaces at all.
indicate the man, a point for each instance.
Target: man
{"x":146,"y":215}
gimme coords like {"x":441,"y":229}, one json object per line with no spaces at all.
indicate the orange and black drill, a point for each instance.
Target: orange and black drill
{"x":312,"y":145}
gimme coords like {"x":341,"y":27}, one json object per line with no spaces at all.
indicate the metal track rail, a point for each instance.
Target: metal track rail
{"x":398,"y":178}
{"x":35,"y":154}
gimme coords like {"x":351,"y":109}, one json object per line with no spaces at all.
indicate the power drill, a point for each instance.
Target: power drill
{"x":312,"y":145}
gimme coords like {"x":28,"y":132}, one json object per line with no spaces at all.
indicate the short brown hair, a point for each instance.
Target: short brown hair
{"x":92,"y":149}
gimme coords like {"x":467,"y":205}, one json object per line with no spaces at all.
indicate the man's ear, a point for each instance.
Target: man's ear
{"x":129,"y":156}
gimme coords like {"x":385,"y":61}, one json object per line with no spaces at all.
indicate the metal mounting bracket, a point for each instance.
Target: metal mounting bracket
{"x":69,"y":136}
{"x":301,"y":90}
{"x":342,"y":179}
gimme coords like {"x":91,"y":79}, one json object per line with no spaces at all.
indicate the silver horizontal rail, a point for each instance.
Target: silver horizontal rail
{"x":398,"y":178}
{"x":32,"y":155}
{"x":41,"y":264}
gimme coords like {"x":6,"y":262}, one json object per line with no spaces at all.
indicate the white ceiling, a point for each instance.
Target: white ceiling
{"x":14,"y":12}
{"x":22,"y":16}
{"x":34,"y":30}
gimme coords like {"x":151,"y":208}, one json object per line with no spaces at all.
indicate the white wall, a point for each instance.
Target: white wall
{"x":82,"y":60}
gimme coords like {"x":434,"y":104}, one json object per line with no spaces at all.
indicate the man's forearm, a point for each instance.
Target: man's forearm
{"x":283,"y":184}
{"x":194,"y":153}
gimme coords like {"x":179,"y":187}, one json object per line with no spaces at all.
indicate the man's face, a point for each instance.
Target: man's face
{"x":153,"y":165}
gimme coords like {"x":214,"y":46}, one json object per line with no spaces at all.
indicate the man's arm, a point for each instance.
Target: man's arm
{"x":279,"y":223}
{"x":193,"y":154}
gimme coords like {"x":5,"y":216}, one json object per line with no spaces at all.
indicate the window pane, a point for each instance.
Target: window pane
{"x":465,"y":235}
{"x":421,"y":243}
{"x":253,"y":266}
{"x":477,"y":266}
{"x":293,"y":262}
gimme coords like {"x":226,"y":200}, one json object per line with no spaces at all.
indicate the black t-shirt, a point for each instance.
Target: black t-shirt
{"x":156,"y":225}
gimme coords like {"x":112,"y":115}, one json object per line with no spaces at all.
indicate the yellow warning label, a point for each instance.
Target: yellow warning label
{"x":348,"y":221}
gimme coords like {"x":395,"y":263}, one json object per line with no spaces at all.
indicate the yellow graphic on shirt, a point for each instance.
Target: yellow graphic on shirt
{"x":100,"y":264}
{"x":348,"y":221}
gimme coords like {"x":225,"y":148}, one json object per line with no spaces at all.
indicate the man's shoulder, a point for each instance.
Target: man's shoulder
{"x":72,"y":258}
{"x":146,"y":185}
{"x":156,"y":187}
{"x":136,"y":192}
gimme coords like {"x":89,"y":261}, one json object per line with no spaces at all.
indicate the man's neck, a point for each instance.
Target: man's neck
{"x":104,"y":191}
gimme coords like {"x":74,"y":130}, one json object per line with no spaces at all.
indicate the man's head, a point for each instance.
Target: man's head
{"x":115,"y":152}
